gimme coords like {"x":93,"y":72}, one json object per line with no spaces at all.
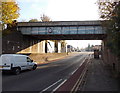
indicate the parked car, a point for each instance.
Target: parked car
{"x":16,"y":63}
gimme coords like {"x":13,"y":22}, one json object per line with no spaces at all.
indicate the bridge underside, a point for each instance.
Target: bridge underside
{"x":71,"y":37}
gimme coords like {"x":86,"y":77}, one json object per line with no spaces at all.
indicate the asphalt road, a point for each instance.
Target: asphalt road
{"x":47,"y":77}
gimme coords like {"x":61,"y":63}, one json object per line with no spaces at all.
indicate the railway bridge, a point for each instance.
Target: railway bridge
{"x":63,"y":30}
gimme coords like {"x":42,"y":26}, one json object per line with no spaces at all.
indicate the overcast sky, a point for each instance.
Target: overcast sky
{"x":61,"y":10}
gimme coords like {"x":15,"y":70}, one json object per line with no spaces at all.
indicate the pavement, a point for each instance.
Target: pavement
{"x":99,"y":78}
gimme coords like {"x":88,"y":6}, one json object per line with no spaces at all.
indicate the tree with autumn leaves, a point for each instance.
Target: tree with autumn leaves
{"x":110,"y":12}
{"x":10,"y":12}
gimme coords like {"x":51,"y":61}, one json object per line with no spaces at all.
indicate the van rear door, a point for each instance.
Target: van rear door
{"x":5,"y":62}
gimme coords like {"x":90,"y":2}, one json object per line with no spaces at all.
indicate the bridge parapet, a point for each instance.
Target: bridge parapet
{"x":59,"y":23}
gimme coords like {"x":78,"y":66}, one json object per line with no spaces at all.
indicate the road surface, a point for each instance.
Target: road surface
{"x":47,"y":77}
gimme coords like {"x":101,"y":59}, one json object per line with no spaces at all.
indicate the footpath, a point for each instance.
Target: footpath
{"x":98,"y":78}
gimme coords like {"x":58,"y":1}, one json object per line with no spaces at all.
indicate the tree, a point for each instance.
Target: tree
{"x":106,"y":9}
{"x":0,"y":11}
{"x":110,"y":11}
{"x":33,"y":20}
{"x":45,"y":18}
{"x":10,"y":12}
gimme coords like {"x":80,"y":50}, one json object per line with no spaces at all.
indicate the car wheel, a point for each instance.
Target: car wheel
{"x":16,"y":71}
{"x":34,"y":67}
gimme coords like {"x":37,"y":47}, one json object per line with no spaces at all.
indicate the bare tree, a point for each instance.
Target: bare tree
{"x":45,"y":18}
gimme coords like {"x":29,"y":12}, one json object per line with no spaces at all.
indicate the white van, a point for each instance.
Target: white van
{"x":16,"y":63}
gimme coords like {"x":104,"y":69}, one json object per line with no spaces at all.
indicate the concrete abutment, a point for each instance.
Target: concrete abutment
{"x":110,"y":59}
{"x":23,"y":44}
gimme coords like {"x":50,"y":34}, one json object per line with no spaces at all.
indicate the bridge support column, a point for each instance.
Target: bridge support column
{"x":46,"y":46}
{"x":41,"y":46}
{"x":56,"y":46}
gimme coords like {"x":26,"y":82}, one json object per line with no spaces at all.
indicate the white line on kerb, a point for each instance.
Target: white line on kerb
{"x":50,"y":86}
{"x":59,"y":85}
{"x":74,"y":71}
{"x":78,"y":67}
{"x":82,"y":62}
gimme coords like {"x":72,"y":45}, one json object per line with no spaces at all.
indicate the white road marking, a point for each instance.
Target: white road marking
{"x":78,"y":67}
{"x":74,"y":71}
{"x":59,"y":85}
{"x":51,"y":86}
{"x":82,"y":62}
